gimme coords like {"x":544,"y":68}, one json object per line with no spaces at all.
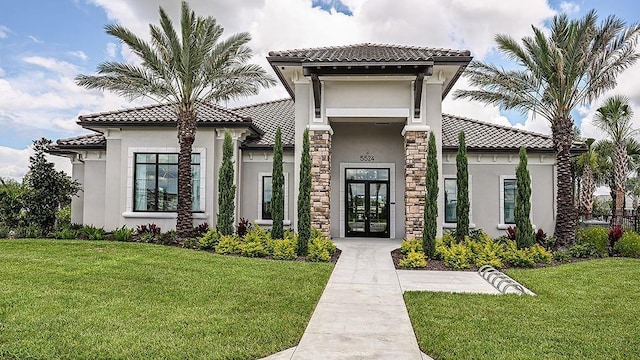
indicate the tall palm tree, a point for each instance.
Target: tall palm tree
{"x":573,"y":65}
{"x":182,"y":68}
{"x":614,"y":119}
{"x":586,"y":163}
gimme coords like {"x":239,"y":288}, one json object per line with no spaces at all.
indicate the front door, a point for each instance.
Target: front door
{"x":367,"y":202}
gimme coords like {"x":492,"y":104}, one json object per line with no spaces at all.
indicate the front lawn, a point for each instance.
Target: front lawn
{"x":586,"y":310}
{"x":97,"y":299}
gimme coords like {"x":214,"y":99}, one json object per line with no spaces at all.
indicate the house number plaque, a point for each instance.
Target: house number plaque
{"x":367,"y":157}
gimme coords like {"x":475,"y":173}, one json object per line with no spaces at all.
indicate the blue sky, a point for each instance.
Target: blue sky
{"x":44,"y":44}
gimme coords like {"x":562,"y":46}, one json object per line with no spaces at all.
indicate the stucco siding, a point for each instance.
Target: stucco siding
{"x":485,"y":189}
{"x":77,"y":202}
{"x":94,"y":192}
{"x":367,"y":94}
{"x":385,"y":143}
{"x":253,"y":164}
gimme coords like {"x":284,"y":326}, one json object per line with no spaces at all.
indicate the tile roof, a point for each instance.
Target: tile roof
{"x":162,"y":114}
{"x":267,"y":116}
{"x":486,"y":136}
{"x":91,"y":140}
{"x":368,"y":52}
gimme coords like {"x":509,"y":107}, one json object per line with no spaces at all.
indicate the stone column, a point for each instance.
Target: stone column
{"x":320,"y":151}
{"x":415,"y":151}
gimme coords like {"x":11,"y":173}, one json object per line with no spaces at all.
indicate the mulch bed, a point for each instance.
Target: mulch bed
{"x":438,"y":265}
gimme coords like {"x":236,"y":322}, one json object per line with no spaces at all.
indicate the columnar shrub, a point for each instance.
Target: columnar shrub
{"x":226,"y":188}
{"x":430,"y":227}
{"x":524,"y":231}
{"x":277,"y":195}
{"x":304,"y":198}
{"x":462,"y":181}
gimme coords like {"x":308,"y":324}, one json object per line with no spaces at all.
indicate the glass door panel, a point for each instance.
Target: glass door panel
{"x":356,"y":209}
{"x":378,"y":209}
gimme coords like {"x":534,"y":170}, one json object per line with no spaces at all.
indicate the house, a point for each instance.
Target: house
{"x":369,"y":109}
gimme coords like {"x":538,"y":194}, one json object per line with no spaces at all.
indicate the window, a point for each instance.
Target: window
{"x":450,"y":200}
{"x":265,"y":192}
{"x":156,"y":182}
{"x":509,"y":200}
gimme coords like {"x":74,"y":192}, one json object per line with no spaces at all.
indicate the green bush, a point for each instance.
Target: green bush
{"x":4,"y":232}
{"x":167,"y":238}
{"x":584,"y":250}
{"x":284,"y":249}
{"x":561,"y":256}
{"x":413,"y":260}
{"x":228,"y":244}
{"x":149,"y":237}
{"x":596,"y":236}
{"x":32,"y":232}
{"x":321,"y":249}
{"x":518,"y":257}
{"x":413,"y":245}
{"x":209,"y":240}
{"x":191,"y":243}
{"x":93,"y":233}
{"x":489,"y":254}
{"x":457,"y":256}
{"x":259,"y":235}
{"x":66,"y":234}
{"x":123,"y":234}
{"x":540,"y":255}
{"x":253,"y":249}
{"x":628,"y":245}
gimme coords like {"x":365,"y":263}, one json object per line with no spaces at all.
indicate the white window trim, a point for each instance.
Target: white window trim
{"x":259,"y":219}
{"x":129,"y":213}
{"x":447,"y":225}
{"x":502,"y":225}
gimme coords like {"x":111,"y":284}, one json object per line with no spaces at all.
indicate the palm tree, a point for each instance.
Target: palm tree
{"x":614,"y":119}
{"x":576,"y":63}
{"x":182,"y":68}
{"x":586,"y":164}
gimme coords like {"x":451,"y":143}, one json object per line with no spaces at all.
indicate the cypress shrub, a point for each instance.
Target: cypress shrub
{"x":277,"y":197}
{"x":226,"y":188}
{"x":462,"y":181}
{"x":304,"y":198}
{"x":430,"y":220}
{"x":524,"y":231}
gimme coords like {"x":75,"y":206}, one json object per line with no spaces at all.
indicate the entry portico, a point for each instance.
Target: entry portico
{"x":369,"y":109}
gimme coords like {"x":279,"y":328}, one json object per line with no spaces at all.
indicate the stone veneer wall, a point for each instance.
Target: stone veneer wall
{"x":320,"y":151}
{"x":415,"y":150}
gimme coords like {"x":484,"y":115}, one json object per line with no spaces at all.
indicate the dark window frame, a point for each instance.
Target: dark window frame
{"x":157,"y":168}
{"x":263,"y":211}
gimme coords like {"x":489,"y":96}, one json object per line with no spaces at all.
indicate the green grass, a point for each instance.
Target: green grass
{"x":82,"y":299}
{"x":586,"y":310}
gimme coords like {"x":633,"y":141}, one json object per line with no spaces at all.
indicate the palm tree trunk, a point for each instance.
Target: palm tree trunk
{"x":562,"y":130}
{"x":619,"y":182}
{"x":186,"y":136}
{"x":586,"y":192}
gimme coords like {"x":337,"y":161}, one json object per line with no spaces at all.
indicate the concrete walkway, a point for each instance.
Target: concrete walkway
{"x":362,"y":315}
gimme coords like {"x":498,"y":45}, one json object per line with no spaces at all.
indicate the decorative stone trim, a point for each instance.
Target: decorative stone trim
{"x":320,"y":151}
{"x":415,"y":151}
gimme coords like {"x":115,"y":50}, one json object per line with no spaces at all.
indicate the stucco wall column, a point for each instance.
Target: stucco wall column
{"x":320,"y":151}
{"x":415,"y":148}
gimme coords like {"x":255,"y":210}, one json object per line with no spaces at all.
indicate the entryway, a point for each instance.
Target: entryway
{"x":367,"y":197}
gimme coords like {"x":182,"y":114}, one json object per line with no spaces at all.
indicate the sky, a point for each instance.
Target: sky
{"x":44,"y":44}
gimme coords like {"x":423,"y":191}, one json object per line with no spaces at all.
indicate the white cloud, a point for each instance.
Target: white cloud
{"x":52,"y":64}
{"x":4,"y":32}
{"x":111,"y":49}
{"x":14,"y":163}
{"x":35,"y":39}
{"x":569,"y":7}
{"x":78,"y":54}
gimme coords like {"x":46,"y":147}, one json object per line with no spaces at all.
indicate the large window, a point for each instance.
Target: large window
{"x":508,"y":190}
{"x":265,"y":193}
{"x":156,"y":182}
{"x":450,"y":200}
